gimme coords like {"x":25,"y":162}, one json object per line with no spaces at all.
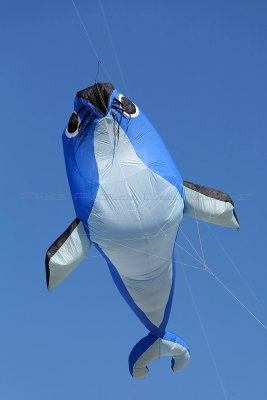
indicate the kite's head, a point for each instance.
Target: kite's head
{"x":94,"y":103}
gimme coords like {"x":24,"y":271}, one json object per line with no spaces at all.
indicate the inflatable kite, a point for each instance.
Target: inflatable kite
{"x":129,"y":200}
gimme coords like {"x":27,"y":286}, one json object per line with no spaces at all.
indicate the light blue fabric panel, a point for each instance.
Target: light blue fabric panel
{"x":141,"y":241}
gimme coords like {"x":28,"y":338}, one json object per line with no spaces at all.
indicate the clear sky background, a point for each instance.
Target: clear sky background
{"x":198,"y":70}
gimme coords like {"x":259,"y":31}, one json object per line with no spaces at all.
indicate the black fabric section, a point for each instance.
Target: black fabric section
{"x":236,"y":216}
{"x":128,"y":106}
{"x":98,"y":95}
{"x":73,"y":123}
{"x":82,"y":107}
{"x":209,"y":192}
{"x":57,"y":244}
{"x":93,"y":117}
{"x":85,"y":116}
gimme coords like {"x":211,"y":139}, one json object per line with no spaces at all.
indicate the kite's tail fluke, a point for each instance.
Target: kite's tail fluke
{"x":150,"y":347}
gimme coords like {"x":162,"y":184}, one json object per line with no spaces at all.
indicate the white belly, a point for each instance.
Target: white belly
{"x":134,"y":219}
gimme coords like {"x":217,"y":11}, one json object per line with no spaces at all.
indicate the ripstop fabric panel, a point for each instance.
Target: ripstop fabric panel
{"x":140,"y":245}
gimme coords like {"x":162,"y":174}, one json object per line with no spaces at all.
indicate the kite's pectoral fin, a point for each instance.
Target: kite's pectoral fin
{"x":66,"y":253}
{"x":209,"y":205}
{"x":151,"y":347}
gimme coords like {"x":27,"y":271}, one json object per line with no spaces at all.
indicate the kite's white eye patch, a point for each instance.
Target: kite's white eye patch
{"x":73,"y":125}
{"x":128,"y":106}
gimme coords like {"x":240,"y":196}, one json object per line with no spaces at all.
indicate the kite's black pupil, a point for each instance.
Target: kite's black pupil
{"x":73,"y":123}
{"x":128,"y":106}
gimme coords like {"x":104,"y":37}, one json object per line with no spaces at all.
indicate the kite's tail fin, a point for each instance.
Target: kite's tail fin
{"x":150,"y":347}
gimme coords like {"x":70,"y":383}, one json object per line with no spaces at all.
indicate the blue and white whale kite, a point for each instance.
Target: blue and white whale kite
{"x":129,"y":200}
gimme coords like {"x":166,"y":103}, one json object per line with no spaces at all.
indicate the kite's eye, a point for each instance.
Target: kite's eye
{"x":73,"y":125}
{"x":128,"y":106}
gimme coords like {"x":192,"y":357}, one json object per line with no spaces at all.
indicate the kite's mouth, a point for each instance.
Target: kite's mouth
{"x":98,"y":95}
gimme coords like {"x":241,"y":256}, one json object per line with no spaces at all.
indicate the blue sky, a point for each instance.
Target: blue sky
{"x":198,"y":70}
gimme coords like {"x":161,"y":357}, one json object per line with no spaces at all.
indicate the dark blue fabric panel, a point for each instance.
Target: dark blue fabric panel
{"x":82,"y":169}
{"x":172,"y":337}
{"x":150,"y":148}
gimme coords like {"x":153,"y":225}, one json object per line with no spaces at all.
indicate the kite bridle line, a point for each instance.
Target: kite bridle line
{"x":99,"y":62}
{"x":204,"y":333}
{"x":236,"y":268}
